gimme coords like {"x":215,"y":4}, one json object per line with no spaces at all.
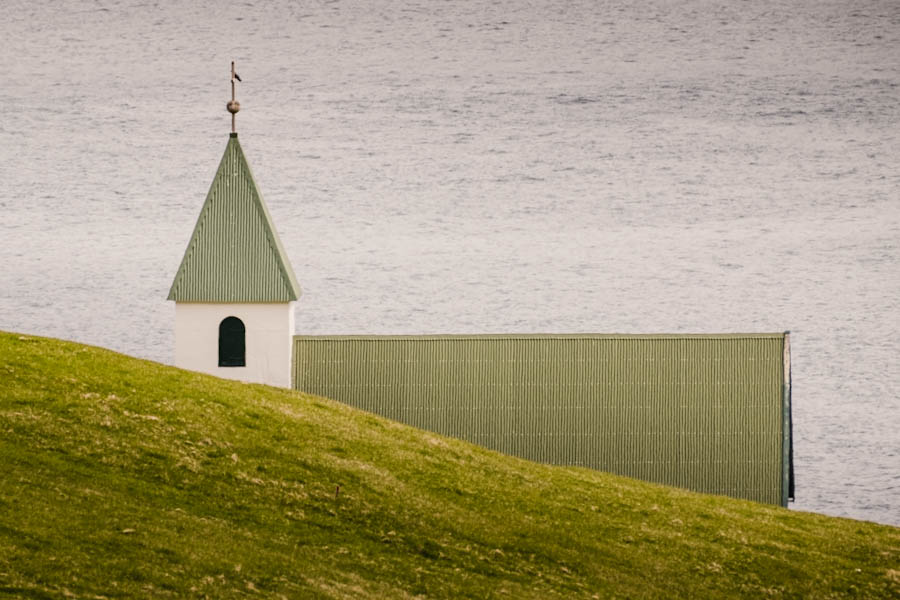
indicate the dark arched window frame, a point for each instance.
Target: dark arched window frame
{"x":232,"y":343}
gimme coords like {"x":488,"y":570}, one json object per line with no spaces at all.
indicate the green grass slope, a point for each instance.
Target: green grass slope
{"x":121,"y":478}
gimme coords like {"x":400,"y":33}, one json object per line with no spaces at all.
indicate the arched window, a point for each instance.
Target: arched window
{"x":232,"y":352}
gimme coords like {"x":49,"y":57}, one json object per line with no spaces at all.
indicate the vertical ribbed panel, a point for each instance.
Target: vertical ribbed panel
{"x":234,"y":254}
{"x":698,"y":412}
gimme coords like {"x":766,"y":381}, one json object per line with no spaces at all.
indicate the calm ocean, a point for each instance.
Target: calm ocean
{"x":461,"y":166}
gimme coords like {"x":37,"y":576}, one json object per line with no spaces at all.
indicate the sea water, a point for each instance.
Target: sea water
{"x":477,"y":167}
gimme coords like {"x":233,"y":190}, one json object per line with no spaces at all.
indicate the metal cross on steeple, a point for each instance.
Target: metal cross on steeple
{"x":234,"y":105}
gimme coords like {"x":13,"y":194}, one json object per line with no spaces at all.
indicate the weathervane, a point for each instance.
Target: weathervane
{"x":234,"y":105}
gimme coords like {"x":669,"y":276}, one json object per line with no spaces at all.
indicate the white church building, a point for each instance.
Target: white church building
{"x":235,"y":290}
{"x":707,"y":412}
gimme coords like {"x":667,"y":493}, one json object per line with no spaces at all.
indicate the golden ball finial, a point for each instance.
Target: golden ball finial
{"x":233,"y":106}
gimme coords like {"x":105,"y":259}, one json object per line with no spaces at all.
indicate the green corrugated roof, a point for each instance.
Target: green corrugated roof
{"x":709,"y":413}
{"x":234,"y":254}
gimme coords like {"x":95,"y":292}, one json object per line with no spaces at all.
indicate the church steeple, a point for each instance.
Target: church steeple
{"x":234,"y":291}
{"x":234,"y":254}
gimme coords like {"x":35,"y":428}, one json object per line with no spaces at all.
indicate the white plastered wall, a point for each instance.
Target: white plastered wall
{"x":269,"y":340}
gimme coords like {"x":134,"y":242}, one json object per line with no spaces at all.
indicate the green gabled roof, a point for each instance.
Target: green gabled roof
{"x":234,"y":254}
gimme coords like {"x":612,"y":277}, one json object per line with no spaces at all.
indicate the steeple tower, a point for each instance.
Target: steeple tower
{"x":235,"y":290}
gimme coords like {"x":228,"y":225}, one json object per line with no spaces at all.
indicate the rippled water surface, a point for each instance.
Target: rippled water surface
{"x":558,"y":166}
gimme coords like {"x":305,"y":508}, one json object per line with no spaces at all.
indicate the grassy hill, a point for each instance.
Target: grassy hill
{"x":123,"y":478}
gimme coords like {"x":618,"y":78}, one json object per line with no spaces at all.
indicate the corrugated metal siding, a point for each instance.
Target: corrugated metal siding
{"x":234,"y":254}
{"x":699,"y":412}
